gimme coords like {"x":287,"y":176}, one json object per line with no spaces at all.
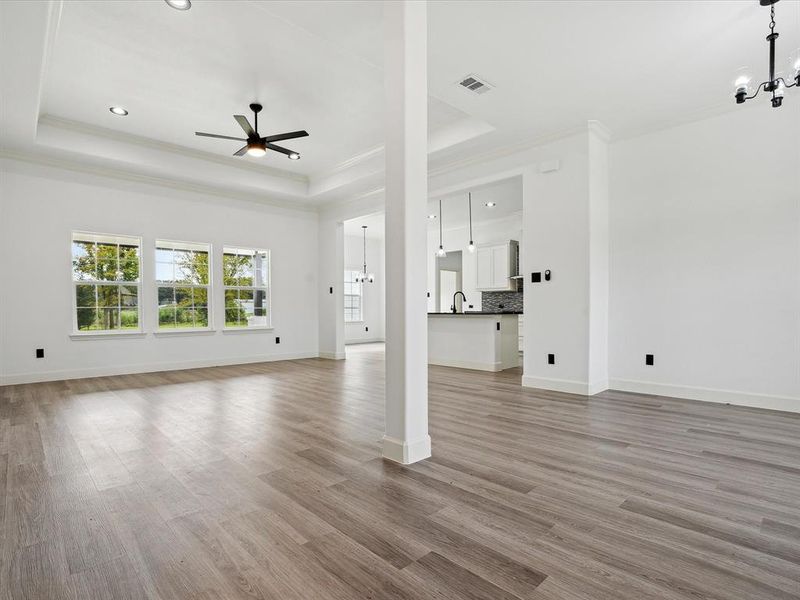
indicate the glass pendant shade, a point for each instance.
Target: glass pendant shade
{"x":741,"y":82}
{"x":471,"y":246}
{"x":364,"y":276}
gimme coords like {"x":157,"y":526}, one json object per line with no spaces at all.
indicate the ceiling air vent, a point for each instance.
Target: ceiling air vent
{"x":472,"y":83}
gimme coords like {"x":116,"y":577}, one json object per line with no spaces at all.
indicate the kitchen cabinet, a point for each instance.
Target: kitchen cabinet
{"x":496,"y":264}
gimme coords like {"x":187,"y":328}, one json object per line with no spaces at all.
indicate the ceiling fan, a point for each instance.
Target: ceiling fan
{"x":255,"y":144}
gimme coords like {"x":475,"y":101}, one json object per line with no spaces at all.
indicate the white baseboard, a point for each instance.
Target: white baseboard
{"x":558,"y":385}
{"x":332,"y":355}
{"x":464,"y":364}
{"x":146,"y":368}
{"x":364,"y":341}
{"x":784,"y":403}
{"x":405,"y":452}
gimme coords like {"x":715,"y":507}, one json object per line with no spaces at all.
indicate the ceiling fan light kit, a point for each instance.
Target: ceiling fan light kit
{"x":255,"y":144}
{"x":776,"y":85}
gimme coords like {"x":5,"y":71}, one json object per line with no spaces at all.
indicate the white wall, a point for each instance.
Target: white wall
{"x":41,"y":206}
{"x":457,"y":238}
{"x":705,"y":259}
{"x":373,"y":300}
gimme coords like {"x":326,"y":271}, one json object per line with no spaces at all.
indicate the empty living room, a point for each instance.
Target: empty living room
{"x":400,"y":299}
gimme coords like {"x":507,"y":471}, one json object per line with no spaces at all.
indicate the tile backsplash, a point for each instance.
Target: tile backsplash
{"x":501,"y":301}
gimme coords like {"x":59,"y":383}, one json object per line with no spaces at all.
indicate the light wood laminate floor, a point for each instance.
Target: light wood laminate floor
{"x":264,"y":481}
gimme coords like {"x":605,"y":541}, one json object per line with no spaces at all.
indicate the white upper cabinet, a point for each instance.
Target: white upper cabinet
{"x":496,"y":264}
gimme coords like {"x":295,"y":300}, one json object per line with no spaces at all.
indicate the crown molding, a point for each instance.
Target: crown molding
{"x":78,"y":166}
{"x":600,"y":130}
{"x":503,"y":151}
{"x":110,"y":134}
{"x":350,"y":163}
{"x":515,"y":216}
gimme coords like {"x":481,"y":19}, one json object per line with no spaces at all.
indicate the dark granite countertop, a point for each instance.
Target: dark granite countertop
{"x":476,"y":313}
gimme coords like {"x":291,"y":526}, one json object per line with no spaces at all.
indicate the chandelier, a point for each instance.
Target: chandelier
{"x":364,"y":276}
{"x":775,"y":85}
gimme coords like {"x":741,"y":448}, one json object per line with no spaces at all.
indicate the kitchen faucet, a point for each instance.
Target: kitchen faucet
{"x":453,"y":308}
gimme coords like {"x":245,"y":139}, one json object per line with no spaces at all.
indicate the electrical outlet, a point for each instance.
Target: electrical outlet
{"x":366,"y":328}
{"x":277,"y":340}
{"x":551,"y":359}
{"x":331,"y":290}
{"x":40,"y":353}
{"x":498,"y":326}
{"x":536,"y":277}
{"x":648,"y":360}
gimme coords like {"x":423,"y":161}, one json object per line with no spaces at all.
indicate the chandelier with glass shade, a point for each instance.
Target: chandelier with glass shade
{"x":365,"y":276}
{"x":776,"y":85}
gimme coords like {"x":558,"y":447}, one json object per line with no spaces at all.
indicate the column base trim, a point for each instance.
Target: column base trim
{"x":333,"y":355}
{"x":405,"y":452}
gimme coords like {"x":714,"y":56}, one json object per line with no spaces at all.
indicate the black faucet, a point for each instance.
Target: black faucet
{"x":453,"y":308}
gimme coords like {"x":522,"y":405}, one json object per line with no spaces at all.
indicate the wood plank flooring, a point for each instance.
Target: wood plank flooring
{"x":264,"y":481}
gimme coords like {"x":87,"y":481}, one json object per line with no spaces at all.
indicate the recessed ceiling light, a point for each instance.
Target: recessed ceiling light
{"x":431,"y":216}
{"x":491,"y":204}
{"x":294,"y":156}
{"x":118,"y":110}
{"x":180,"y":4}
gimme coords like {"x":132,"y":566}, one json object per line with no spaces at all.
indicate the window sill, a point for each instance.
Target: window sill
{"x":187,"y":331}
{"x":361,"y":321}
{"x":104,"y":335}
{"x":246,"y":329}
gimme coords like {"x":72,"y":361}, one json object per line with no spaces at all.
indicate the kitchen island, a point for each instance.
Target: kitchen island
{"x":485,"y":341}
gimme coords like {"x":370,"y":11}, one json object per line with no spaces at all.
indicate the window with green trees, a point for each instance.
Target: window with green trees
{"x":183,"y":283}
{"x":246,"y":276}
{"x":105,"y":274}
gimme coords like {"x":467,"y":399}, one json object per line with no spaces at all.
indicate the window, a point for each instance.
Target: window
{"x":182,"y":279}
{"x":246,"y":276}
{"x":105,"y":274}
{"x":352,"y":297}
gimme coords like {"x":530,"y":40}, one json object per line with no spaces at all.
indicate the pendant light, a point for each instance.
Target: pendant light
{"x":776,"y":85}
{"x":440,"y":252}
{"x":471,"y":246}
{"x":364,"y":276}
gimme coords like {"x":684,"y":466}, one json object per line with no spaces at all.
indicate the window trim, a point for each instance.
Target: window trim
{"x":158,"y":330}
{"x":271,"y":323}
{"x":97,"y":333}
{"x":360,"y":295}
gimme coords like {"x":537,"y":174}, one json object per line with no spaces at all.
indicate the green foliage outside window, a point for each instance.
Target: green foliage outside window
{"x":103,"y":300}
{"x":182,"y":272}
{"x":246,"y":278}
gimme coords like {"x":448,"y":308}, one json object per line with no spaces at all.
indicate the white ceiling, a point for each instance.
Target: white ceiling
{"x":634,"y":66}
{"x":376,"y":226}
{"x":506,"y":194}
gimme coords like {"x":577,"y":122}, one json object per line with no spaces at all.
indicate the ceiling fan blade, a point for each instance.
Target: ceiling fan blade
{"x":280,"y":149}
{"x":222,"y":137}
{"x":241,"y":151}
{"x":285,"y":136}
{"x":245,"y":124}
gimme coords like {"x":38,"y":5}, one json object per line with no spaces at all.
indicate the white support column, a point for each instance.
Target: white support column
{"x":331,"y":294}
{"x":406,"y":439}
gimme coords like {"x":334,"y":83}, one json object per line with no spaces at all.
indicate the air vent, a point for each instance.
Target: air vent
{"x":473,"y":84}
